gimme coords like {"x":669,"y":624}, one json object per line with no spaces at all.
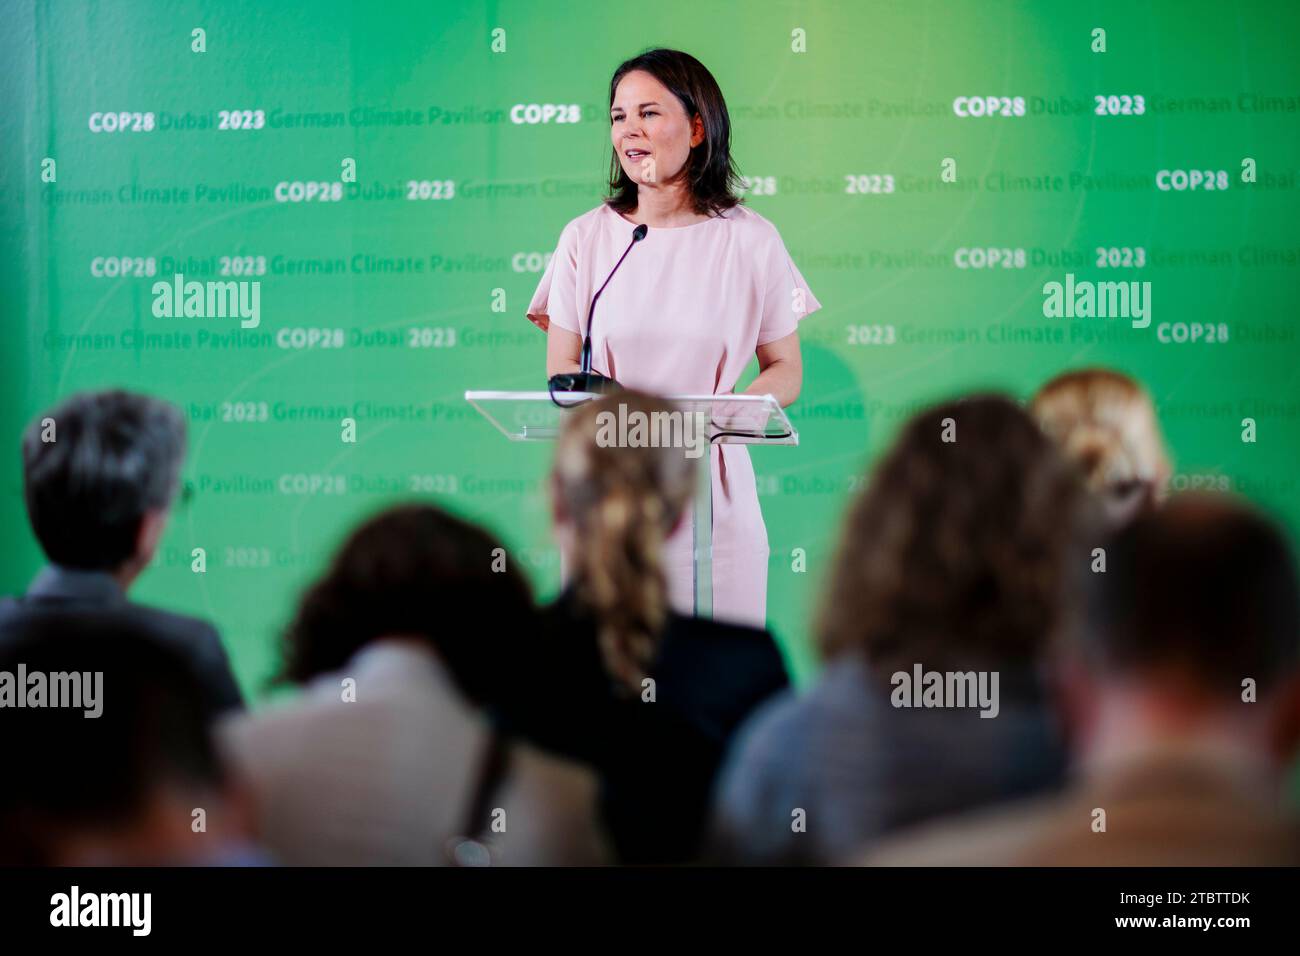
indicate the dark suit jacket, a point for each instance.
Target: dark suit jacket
{"x":656,"y":760}
{"x":65,"y":595}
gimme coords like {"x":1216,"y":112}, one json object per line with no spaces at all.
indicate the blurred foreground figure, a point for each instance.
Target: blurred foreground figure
{"x":1184,"y":700}
{"x":100,"y":472}
{"x":112,"y":757}
{"x":387,"y":757}
{"x":1105,"y":424}
{"x":646,"y":696}
{"x":948,"y":570}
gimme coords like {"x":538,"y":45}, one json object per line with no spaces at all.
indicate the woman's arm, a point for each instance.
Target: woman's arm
{"x":780,"y":370}
{"x":563,"y":350}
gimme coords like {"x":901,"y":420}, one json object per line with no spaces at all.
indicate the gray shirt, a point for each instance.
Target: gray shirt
{"x":858,"y":767}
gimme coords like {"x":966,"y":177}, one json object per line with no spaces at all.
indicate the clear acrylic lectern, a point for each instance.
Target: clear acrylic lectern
{"x":728,"y":419}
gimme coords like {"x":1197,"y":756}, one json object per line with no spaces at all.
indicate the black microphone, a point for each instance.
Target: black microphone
{"x":585,"y":380}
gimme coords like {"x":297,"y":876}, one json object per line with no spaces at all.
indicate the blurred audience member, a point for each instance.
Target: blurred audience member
{"x":948,"y":569}
{"x":387,"y":757}
{"x":619,"y":680}
{"x":1184,"y":704}
{"x":1105,"y":423}
{"x":112,"y":758}
{"x":100,"y":471}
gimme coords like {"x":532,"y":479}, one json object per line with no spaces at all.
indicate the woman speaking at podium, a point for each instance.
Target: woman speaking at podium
{"x":710,"y":285}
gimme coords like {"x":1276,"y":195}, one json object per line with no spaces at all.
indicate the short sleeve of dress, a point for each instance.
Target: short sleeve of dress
{"x":786,"y":296}
{"x":554,"y":300}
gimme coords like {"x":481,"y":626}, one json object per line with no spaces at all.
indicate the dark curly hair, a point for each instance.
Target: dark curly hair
{"x":711,"y":175}
{"x":951,"y":557}
{"x":415,"y":571}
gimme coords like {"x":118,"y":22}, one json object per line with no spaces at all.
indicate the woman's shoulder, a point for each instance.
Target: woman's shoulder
{"x":717,"y":629}
{"x":750,"y":224}
{"x":755,"y":222}
{"x":723,"y":653}
{"x":757,"y":232}
{"x":566,"y":640}
{"x":592,"y":215}
{"x":585,"y":224}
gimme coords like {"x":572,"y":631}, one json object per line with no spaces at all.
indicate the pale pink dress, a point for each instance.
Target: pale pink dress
{"x":684,"y":314}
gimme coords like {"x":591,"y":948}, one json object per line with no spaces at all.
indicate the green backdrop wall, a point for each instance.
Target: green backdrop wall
{"x":385,"y":298}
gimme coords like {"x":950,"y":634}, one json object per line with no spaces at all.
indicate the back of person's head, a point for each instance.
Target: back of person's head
{"x":951,"y":556}
{"x":1106,"y":424}
{"x":621,"y":501}
{"x":93,"y":466}
{"x":112,"y":749}
{"x":415,"y":571}
{"x":1200,"y":594}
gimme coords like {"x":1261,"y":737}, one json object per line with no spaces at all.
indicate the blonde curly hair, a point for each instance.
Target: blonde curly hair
{"x":1105,"y":423}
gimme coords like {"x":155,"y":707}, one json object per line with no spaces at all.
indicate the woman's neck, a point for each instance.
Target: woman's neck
{"x":664,"y":209}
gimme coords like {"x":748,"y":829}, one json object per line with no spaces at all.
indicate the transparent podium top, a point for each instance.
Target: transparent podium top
{"x":731,"y":419}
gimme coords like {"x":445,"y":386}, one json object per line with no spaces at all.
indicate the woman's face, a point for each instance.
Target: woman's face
{"x":650,"y":130}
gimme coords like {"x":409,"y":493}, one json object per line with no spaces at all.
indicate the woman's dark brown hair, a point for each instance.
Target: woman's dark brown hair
{"x":952,"y":556}
{"x":415,"y":571}
{"x":710,"y":172}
